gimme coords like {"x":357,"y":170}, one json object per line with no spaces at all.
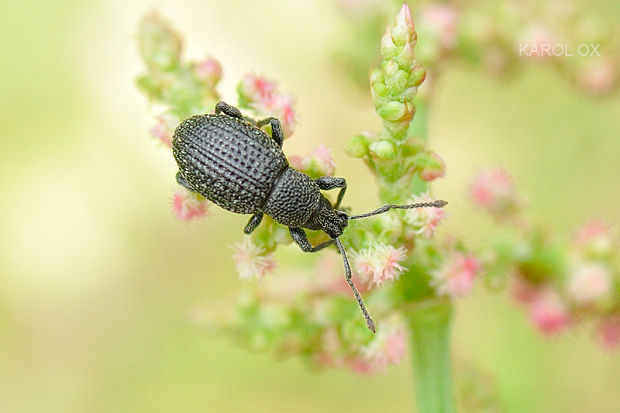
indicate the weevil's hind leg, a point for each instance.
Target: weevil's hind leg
{"x":223,"y":107}
{"x":276,"y":129}
{"x":183,"y":182}
{"x":331,"y":182}
{"x":253,"y":222}
{"x":301,"y":239}
{"x":347,"y":276}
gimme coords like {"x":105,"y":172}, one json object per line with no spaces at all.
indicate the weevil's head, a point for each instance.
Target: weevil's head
{"x":331,"y":221}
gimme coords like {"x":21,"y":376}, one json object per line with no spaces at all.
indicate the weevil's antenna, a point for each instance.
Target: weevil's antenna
{"x":385,"y":208}
{"x":358,"y":297}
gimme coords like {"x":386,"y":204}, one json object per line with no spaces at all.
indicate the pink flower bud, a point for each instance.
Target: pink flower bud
{"x":494,"y":191}
{"x":594,"y":239}
{"x":599,"y":77}
{"x":441,"y":19}
{"x":251,"y":260}
{"x":209,"y":71}
{"x":537,"y":41}
{"x":424,"y":220}
{"x":164,"y":128}
{"x":318,"y":163}
{"x":549,"y":313}
{"x":524,"y":291}
{"x":286,"y":113}
{"x":256,"y":88}
{"x":188,"y":205}
{"x":379,"y":263}
{"x":589,"y":282}
{"x":455,"y":278}
{"x":388,"y":347}
{"x":609,"y":332}
{"x":261,"y":95}
{"x":434,"y":168}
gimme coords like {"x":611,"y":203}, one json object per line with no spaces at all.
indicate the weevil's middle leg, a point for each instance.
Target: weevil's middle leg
{"x":301,"y":239}
{"x":331,"y":182}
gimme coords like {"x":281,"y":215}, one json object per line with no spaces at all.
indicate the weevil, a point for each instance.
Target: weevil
{"x":228,"y":159}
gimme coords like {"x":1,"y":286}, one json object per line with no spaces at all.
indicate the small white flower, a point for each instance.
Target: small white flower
{"x":251,"y":260}
{"x":588,"y":282}
{"x":379,"y":263}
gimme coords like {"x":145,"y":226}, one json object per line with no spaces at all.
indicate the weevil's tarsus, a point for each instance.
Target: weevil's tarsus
{"x":254,"y":221}
{"x":276,"y":129}
{"x":347,"y":275}
{"x":435,"y":204}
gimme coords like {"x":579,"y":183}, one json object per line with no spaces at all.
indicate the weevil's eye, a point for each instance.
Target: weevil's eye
{"x":342,"y":215}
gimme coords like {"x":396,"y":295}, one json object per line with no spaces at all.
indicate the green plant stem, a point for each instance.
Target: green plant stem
{"x":429,"y":322}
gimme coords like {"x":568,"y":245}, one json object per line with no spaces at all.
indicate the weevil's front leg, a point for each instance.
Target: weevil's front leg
{"x":276,"y":129}
{"x":227,"y":109}
{"x":183,"y":182}
{"x":300,"y":238}
{"x":253,"y":222}
{"x":331,"y":182}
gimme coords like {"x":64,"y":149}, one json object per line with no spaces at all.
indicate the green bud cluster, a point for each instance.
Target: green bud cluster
{"x":180,"y":86}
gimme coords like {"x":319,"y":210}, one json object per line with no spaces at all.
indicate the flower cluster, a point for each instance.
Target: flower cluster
{"x":392,"y":255}
{"x":503,"y":37}
{"x":560,"y":283}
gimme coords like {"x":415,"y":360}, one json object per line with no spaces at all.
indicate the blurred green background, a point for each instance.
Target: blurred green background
{"x":97,"y":277}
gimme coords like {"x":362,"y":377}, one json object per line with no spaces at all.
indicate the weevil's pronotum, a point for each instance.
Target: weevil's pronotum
{"x":229,"y":160}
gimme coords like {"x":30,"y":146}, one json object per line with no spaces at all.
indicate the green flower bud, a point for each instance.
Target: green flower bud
{"x":417,"y":76}
{"x":160,"y":46}
{"x":384,"y":149}
{"x":357,"y":146}
{"x":403,"y":29}
{"x":392,"y":111}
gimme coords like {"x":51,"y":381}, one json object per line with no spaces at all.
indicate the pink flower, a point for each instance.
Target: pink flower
{"x":262,"y":96}
{"x":209,"y":71}
{"x":609,"y":332}
{"x":538,"y":41}
{"x":455,"y":277}
{"x":589,"y":282}
{"x":188,"y":205}
{"x":594,"y":238}
{"x":256,"y":88}
{"x":251,"y":260}
{"x":379,"y":263}
{"x":320,"y":162}
{"x":388,"y":347}
{"x":599,"y":77}
{"x":524,"y":291}
{"x":424,"y":220}
{"x":494,"y":191}
{"x":441,"y":19}
{"x":549,"y":313}
{"x":164,"y":129}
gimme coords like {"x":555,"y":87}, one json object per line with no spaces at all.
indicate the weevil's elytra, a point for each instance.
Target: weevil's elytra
{"x":229,"y":160}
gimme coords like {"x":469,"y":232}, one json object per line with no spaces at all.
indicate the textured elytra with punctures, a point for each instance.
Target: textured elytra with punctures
{"x":228,"y":161}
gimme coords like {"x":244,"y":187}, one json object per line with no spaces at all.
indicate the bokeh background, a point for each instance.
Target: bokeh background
{"x":97,"y":277}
